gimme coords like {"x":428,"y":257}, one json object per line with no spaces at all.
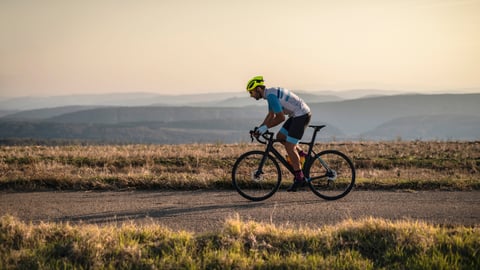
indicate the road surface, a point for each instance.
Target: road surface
{"x":206,"y":211}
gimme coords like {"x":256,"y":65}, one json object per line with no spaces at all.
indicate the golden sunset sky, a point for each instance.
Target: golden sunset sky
{"x":199,"y":46}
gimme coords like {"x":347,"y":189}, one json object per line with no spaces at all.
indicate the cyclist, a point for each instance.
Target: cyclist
{"x":283,"y":102}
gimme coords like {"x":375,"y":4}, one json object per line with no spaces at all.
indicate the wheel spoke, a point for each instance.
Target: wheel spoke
{"x":332,"y":175}
{"x":252,"y":182}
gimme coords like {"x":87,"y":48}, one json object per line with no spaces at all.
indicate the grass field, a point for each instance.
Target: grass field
{"x":380,"y":165}
{"x":364,"y":244}
{"x":352,"y":244}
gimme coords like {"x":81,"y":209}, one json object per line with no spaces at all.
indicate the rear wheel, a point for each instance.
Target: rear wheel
{"x":331,"y":175}
{"x":256,"y":183}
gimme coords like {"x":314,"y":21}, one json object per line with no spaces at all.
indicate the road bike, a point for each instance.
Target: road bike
{"x":256,"y":175}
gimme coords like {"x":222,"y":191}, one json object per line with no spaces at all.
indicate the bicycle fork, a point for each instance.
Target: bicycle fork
{"x":259,"y":172}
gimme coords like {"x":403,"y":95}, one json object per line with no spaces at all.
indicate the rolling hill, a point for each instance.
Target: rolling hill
{"x":359,"y":116}
{"x":429,"y":127}
{"x":409,"y":117}
{"x":46,"y":113}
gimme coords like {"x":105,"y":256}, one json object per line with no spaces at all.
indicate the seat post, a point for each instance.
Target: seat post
{"x":316,"y":129}
{"x":312,"y":142}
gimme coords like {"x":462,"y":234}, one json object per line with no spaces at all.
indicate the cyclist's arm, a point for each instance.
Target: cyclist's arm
{"x":274,"y":119}
{"x":268,"y":118}
{"x":275,"y":114}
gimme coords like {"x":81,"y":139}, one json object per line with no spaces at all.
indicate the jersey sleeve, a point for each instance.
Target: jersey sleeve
{"x":274,"y":104}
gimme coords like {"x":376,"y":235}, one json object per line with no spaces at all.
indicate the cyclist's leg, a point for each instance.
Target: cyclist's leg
{"x":293,"y":130}
{"x":292,"y":152}
{"x":290,"y":134}
{"x":283,"y":134}
{"x":299,"y":179}
{"x":297,"y":127}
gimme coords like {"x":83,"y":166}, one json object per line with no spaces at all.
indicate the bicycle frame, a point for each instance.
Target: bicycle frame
{"x":332,"y":179}
{"x":271,"y":149}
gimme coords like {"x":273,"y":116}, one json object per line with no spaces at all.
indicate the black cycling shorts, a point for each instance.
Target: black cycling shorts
{"x":294,"y":127}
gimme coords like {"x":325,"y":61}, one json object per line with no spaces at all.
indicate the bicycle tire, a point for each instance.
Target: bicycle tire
{"x":331,"y":184}
{"x":247,"y":184}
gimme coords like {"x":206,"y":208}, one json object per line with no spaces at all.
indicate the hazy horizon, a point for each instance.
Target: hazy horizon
{"x":344,"y":94}
{"x":55,"y":48}
{"x":473,"y":90}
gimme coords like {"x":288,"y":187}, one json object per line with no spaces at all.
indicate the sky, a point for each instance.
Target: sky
{"x":189,"y":46}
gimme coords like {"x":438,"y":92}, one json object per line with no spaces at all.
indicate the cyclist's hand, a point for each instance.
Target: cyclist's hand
{"x":254,"y":133}
{"x":261,"y":130}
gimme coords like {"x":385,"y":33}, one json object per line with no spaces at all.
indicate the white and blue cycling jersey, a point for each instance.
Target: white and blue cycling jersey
{"x":281,"y":99}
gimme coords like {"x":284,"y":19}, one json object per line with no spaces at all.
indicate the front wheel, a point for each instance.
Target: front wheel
{"x":255,"y":182}
{"x":331,"y":174}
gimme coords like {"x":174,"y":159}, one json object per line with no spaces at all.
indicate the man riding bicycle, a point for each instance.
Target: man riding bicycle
{"x":283,"y":102}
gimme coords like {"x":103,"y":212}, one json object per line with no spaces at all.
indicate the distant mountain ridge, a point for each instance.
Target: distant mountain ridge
{"x":429,"y":127}
{"x":115,"y":115}
{"x":409,"y":117}
{"x":223,"y":99}
{"x":360,"y":115}
{"x":114,"y":99}
{"x":40,"y":114}
{"x":229,"y":99}
{"x":220,"y":99}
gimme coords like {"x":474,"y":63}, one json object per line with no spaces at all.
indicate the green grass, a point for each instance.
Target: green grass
{"x":365,"y":244}
{"x":380,"y":165}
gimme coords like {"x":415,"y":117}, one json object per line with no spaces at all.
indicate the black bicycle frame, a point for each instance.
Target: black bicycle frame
{"x":271,"y":149}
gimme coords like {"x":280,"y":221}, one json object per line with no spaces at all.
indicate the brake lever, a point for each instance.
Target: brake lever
{"x":252,"y":137}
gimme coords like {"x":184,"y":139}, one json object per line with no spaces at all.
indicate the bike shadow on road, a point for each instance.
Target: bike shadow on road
{"x":116,"y":217}
{"x":183,"y":210}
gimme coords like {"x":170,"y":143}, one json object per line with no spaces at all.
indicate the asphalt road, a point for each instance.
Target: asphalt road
{"x":206,"y":211}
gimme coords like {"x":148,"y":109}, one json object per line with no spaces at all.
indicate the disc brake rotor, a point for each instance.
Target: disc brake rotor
{"x":257,"y":176}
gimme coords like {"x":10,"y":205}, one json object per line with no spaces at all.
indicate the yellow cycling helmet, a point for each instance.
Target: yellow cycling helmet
{"x":254,"y":82}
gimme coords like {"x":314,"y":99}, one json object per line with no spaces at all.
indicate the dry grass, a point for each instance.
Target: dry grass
{"x":380,"y":165}
{"x":364,"y":244}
